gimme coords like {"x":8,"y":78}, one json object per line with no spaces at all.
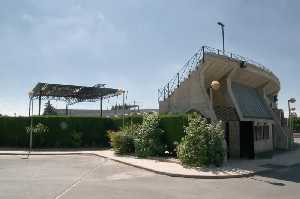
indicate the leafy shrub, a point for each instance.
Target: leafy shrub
{"x":149,"y":140}
{"x":203,"y":143}
{"x":173,"y":126}
{"x":121,"y":142}
{"x":295,"y":123}
{"x":131,"y":130}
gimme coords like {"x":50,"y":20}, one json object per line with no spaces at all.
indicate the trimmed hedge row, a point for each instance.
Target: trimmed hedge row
{"x":296,"y":124}
{"x":64,"y":132}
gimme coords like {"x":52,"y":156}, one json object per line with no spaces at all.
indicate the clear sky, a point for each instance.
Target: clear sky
{"x":137,"y":45}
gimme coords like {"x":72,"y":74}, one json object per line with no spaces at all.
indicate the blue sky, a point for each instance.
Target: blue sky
{"x":137,"y":45}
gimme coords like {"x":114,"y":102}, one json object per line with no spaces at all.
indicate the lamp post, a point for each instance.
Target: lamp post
{"x":222,"y":27}
{"x":31,"y":120}
{"x":123,"y":114}
{"x":290,"y":101}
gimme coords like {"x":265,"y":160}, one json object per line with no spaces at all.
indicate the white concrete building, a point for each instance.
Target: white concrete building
{"x":246,"y":100}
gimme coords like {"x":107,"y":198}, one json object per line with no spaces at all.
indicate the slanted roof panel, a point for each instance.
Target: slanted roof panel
{"x":251,"y":104}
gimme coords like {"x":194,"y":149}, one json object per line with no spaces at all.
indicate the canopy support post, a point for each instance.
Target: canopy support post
{"x":40,"y":101}
{"x":101,"y":108}
{"x":67,"y":111}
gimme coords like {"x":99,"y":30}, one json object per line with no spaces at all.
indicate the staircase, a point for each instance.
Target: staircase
{"x":184,"y":73}
{"x":283,"y":137}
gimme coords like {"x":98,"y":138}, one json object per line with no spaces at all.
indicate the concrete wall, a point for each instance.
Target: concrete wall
{"x":191,"y":95}
{"x":264,"y":145}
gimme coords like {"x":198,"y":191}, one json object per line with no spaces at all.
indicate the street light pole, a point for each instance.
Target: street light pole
{"x":123,"y":109}
{"x":222,"y":27}
{"x":31,"y":122}
{"x":290,"y":101}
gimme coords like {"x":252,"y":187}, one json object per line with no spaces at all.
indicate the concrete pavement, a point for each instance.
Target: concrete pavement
{"x":231,"y":169}
{"x":89,"y":177}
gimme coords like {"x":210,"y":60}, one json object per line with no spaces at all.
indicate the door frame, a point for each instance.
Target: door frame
{"x":247,"y":140}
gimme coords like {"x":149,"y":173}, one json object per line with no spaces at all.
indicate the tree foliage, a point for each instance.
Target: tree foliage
{"x":149,"y":140}
{"x":144,"y":139}
{"x":49,"y":109}
{"x":203,"y":143}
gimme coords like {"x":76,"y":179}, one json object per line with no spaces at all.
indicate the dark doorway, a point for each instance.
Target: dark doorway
{"x":227,"y":138}
{"x":246,"y":140}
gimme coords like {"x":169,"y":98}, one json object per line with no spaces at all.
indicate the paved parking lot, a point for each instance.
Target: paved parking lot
{"x":80,"y":176}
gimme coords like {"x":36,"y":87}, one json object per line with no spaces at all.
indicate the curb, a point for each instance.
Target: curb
{"x":147,"y":169}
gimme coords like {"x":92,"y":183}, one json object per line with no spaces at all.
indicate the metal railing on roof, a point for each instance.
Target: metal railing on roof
{"x":195,"y":62}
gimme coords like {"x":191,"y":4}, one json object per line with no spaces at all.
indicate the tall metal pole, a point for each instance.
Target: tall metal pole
{"x":222,"y":27}
{"x":289,"y":118}
{"x":31,"y":124}
{"x":29,"y":111}
{"x":223,"y":39}
{"x":123,"y":109}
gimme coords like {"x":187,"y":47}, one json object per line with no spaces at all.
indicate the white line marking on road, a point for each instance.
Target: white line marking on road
{"x":78,"y":181}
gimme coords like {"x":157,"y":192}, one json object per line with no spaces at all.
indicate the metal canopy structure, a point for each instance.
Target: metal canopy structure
{"x":72,"y":94}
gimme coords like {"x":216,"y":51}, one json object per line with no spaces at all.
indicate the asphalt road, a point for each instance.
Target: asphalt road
{"x":77,"y":177}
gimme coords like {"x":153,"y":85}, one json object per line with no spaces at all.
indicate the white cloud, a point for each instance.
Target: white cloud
{"x":100,"y":16}
{"x":27,"y":18}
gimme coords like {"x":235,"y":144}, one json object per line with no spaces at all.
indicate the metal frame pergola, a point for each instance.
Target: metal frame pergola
{"x":71,"y":94}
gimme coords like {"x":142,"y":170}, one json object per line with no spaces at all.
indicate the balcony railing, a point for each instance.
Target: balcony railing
{"x":195,"y":62}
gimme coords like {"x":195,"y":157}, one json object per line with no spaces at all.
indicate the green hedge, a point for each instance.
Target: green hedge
{"x":173,"y":125}
{"x":296,"y":124}
{"x":63,"y":132}
{"x":78,"y":131}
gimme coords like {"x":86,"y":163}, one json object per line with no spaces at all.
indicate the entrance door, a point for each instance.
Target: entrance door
{"x":246,"y":140}
{"x":227,"y":138}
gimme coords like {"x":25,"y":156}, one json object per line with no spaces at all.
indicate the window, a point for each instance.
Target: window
{"x":258,"y":132}
{"x":261,"y":132}
{"x":266,"y":132}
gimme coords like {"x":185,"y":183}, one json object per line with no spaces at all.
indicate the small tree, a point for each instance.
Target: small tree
{"x":203,"y":143}
{"x":149,"y":140}
{"x":49,"y":109}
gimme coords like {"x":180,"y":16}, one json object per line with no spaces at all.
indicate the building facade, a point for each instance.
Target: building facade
{"x":238,"y":91}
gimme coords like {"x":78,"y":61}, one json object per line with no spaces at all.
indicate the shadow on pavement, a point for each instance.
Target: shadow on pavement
{"x":291,"y":174}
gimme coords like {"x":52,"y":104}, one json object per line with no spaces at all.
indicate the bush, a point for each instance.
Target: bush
{"x":121,"y":143}
{"x":173,"y":126}
{"x":295,"y":123}
{"x":203,"y":143}
{"x":149,"y":140}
